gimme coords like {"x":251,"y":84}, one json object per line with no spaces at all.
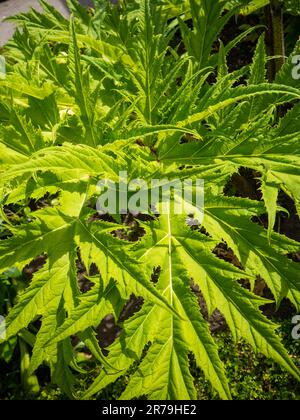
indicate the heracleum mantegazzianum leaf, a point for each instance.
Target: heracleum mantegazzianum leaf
{"x":104,"y":93}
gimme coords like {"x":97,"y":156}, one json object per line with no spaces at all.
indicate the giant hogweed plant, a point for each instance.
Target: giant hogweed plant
{"x":108,"y":92}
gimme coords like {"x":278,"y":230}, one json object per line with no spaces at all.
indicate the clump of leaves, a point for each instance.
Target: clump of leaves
{"x":104,"y":93}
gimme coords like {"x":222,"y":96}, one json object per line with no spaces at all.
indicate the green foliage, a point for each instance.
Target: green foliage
{"x":252,"y":376}
{"x":250,"y":6}
{"x":107,"y":92}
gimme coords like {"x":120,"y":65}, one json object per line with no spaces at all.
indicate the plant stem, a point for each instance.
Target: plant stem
{"x":29,"y":382}
{"x":275,"y":37}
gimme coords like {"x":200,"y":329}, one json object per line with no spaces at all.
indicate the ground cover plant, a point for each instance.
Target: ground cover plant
{"x":144,"y":87}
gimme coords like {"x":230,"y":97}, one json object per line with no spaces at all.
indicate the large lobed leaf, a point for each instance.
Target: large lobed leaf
{"x":108,"y":93}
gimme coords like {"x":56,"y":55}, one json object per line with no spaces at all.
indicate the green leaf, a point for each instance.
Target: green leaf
{"x":111,"y":90}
